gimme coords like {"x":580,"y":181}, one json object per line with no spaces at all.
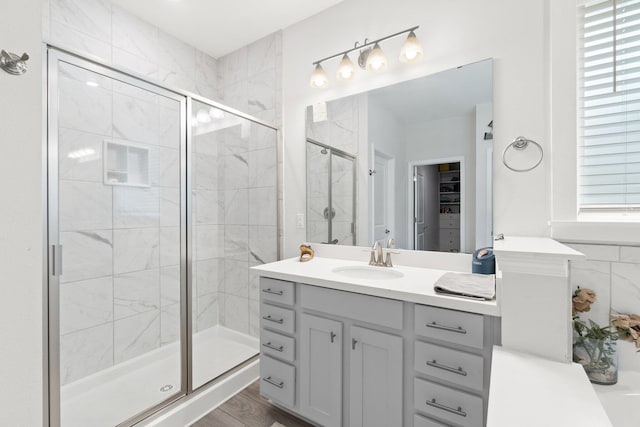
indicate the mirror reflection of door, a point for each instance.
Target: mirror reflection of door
{"x":383,"y":200}
{"x":425,"y":206}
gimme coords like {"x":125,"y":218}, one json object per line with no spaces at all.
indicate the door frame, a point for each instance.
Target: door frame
{"x":411,"y":197}
{"x":391,"y":170}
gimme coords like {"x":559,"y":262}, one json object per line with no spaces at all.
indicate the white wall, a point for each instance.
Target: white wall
{"x":453,"y":34}
{"x":450,"y":137}
{"x":21,"y":291}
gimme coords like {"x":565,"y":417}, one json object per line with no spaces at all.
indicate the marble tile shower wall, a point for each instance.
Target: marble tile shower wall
{"x":341,"y":130}
{"x":613,"y":272}
{"x":119,"y":290}
{"x":249,"y":79}
{"x":104,"y":31}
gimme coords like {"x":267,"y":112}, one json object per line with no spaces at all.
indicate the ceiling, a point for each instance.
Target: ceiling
{"x":218,"y":27}
{"x":450,"y":93}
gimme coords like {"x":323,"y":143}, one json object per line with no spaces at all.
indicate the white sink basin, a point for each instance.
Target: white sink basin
{"x":368,"y":272}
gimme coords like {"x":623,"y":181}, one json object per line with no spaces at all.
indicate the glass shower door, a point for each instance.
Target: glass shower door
{"x":117,"y":245}
{"x":331,"y":192}
{"x":233,"y":227}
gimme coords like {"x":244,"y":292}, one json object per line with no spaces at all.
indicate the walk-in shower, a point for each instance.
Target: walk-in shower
{"x":158,"y":204}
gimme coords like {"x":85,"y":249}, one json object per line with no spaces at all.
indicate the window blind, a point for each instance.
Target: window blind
{"x":609,"y":105}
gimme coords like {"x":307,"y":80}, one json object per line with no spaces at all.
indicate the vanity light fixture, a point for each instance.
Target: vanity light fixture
{"x":370,"y":58}
{"x":376,"y":61}
{"x":319,"y":77}
{"x":346,"y":69}
{"x":411,"y":50}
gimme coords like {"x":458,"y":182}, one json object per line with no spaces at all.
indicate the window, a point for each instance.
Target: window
{"x":609,"y":105}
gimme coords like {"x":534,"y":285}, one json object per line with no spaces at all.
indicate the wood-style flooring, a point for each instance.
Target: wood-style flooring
{"x":249,"y":409}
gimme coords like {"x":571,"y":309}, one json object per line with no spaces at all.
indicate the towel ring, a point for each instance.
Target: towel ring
{"x":520,"y":143}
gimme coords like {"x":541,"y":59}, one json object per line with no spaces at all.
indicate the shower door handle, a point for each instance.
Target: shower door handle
{"x":56,"y":260}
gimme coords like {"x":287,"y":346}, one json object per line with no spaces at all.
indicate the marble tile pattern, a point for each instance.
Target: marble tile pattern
{"x":613,"y":272}
{"x":121,"y":283}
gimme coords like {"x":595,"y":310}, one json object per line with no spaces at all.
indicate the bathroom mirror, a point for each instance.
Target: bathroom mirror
{"x":410,"y":162}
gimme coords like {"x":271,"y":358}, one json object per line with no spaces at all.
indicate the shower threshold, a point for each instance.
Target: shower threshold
{"x":109,"y":397}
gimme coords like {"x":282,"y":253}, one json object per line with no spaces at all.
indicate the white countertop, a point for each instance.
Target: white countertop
{"x":416,"y":285}
{"x":541,"y":246}
{"x":529,"y":391}
{"x":619,"y":398}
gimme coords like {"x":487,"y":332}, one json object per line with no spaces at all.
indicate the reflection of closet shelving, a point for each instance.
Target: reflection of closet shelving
{"x":126,"y":164}
{"x":449,"y":187}
{"x":449,"y":198}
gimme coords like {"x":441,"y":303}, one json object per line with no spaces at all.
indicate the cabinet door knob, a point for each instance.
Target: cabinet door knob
{"x":332,"y":335}
{"x":353,"y":343}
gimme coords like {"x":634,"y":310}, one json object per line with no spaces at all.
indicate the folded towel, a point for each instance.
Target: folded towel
{"x":474,"y":286}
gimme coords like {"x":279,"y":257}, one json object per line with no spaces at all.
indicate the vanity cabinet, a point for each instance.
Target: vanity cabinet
{"x":375,"y":378}
{"x":339,"y":358}
{"x":321,"y":369}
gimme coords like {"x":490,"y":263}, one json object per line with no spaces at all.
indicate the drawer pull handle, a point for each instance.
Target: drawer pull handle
{"x":458,"y":371}
{"x":435,"y":404}
{"x":459,"y":329}
{"x":273,"y":347}
{"x":273,"y":383}
{"x":271,"y":319}
{"x":269,"y":291}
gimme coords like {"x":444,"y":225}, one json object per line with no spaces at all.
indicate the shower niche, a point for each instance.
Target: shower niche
{"x":126,"y":164}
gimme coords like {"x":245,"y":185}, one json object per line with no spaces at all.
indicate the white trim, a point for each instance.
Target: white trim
{"x":411,"y":201}
{"x":603,"y":232}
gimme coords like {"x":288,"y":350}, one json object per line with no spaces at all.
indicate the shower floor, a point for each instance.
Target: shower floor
{"x":109,"y":397}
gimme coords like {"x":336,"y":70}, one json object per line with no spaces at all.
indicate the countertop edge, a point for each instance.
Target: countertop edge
{"x":490,"y":308}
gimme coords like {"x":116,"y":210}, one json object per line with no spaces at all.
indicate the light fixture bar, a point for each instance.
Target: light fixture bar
{"x":366,"y":44}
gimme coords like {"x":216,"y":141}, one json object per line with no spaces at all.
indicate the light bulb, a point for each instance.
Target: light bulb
{"x":319,"y":78}
{"x":216,"y":113}
{"x":346,"y":69}
{"x":411,"y":50}
{"x":203,"y":116}
{"x":376,"y":61}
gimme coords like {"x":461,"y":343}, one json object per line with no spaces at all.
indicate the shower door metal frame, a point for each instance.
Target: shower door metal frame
{"x":54,"y":262}
{"x":335,"y":151}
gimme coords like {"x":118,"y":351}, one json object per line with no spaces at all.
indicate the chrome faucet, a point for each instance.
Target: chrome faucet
{"x":377,"y":255}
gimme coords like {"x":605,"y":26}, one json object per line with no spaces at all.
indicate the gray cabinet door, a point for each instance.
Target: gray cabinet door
{"x":375,"y":379}
{"x":321,"y":370}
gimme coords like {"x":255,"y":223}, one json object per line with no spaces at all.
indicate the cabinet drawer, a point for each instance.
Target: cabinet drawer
{"x":448,"y":404}
{"x":447,"y":234}
{"x":420,"y":421}
{"x":277,"y":380}
{"x":277,"y":345}
{"x":457,"y":327}
{"x":277,"y":318}
{"x":379,"y":311}
{"x":450,"y":365}
{"x":280,"y":291}
{"x":449,"y":220}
